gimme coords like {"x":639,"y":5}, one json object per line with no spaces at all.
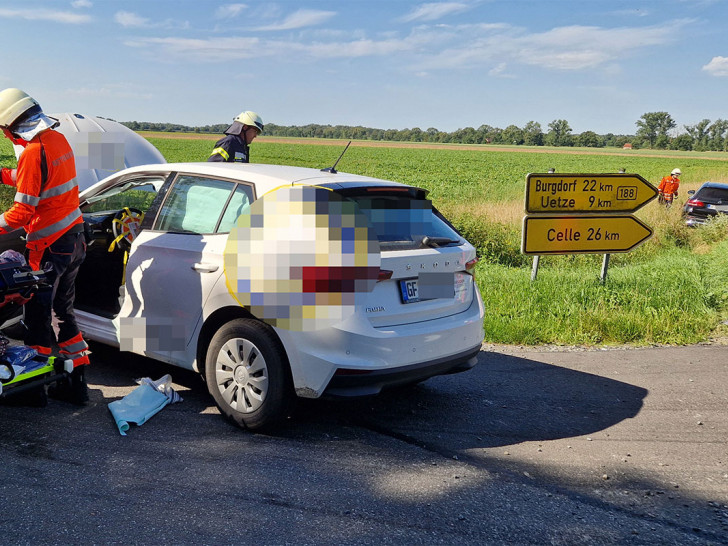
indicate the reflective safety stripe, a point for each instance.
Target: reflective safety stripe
{"x":80,"y":361}
{"x":76,"y":344}
{"x":59,"y":190}
{"x":222,"y":152}
{"x":75,"y":347}
{"x":26,"y":199}
{"x":3,"y":223}
{"x":55,"y":228}
{"x":41,"y":350}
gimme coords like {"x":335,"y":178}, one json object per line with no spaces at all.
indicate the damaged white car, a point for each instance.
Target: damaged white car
{"x":276,"y":282}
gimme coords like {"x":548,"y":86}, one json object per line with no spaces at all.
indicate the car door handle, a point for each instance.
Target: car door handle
{"x":205,"y":268}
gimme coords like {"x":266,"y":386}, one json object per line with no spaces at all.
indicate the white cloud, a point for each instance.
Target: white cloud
{"x":718,"y":66}
{"x":562,"y":48}
{"x":225,"y":49}
{"x":301,"y":18}
{"x":129,"y":19}
{"x":327,"y":34}
{"x":358,"y":48}
{"x":491,"y":47}
{"x":211,"y":50}
{"x":45,"y":15}
{"x":499,"y":71}
{"x":81,"y":4}
{"x":132,"y":20}
{"x":229,"y":11}
{"x":434,"y":11}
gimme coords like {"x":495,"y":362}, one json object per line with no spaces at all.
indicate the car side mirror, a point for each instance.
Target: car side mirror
{"x":691,"y":192}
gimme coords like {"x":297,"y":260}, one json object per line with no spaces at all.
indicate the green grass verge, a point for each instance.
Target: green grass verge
{"x":677,"y":297}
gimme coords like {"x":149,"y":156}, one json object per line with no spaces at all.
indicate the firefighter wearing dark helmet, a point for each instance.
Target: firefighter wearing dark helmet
{"x":234,"y":146}
{"x":46,"y":206}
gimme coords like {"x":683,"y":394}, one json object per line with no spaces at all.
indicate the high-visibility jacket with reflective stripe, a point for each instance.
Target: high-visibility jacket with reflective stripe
{"x":668,"y":185}
{"x":46,"y":210}
{"x":230,"y":149}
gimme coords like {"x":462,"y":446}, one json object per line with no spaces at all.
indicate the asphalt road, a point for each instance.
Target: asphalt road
{"x":550,"y":447}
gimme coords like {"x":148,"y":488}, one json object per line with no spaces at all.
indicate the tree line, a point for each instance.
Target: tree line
{"x":654,"y":130}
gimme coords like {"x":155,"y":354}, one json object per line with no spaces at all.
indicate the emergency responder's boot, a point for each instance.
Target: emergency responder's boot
{"x":72,"y":389}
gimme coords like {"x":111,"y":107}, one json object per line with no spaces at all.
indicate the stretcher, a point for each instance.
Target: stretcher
{"x":21,"y":368}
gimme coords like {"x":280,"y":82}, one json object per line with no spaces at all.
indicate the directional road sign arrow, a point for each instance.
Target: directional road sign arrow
{"x":582,"y":234}
{"x":587,"y":193}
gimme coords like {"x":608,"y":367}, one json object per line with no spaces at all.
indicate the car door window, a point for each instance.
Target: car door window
{"x":242,"y":197}
{"x":194,"y":204}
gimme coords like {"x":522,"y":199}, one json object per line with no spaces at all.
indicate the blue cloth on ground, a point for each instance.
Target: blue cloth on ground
{"x":18,"y":355}
{"x":137,"y":407}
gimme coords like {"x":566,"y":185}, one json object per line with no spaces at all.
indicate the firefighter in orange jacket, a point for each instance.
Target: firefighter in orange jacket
{"x":46,"y":205}
{"x":667,"y":190}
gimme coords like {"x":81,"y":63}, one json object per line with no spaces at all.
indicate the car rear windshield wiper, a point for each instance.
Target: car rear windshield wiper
{"x":438,"y":241}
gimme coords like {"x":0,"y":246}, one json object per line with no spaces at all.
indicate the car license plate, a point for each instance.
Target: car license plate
{"x":434,"y":286}
{"x":409,"y":290}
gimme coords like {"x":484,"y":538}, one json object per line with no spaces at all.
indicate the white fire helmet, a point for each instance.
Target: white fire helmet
{"x":251,"y":119}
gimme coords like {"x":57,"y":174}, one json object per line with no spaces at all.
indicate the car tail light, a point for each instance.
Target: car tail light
{"x":384,"y":275}
{"x":470,"y":266}
{"x":695,"y":203}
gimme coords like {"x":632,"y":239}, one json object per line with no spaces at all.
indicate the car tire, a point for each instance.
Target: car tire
{"x":248,"y":375}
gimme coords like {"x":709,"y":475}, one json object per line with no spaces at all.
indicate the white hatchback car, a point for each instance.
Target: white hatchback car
{"x":275,"y":282}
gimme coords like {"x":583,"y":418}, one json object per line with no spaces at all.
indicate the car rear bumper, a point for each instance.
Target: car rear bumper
{"x":377,"y":357}
{"x":700,"y":217}
{"x":692,"y":221}
{"x":349,"y":382}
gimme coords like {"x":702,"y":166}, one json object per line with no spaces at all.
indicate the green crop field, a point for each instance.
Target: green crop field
{"x":671,"y":290}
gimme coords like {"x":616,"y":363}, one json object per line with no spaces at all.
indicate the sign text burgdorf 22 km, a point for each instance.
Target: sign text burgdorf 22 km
{"x":587,"y":193}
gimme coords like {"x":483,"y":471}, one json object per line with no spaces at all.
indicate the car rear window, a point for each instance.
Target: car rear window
{"x":713,"y":194}
{"x":402,"y":222}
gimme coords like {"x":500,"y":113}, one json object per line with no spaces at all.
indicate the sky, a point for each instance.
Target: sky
{"x":388,"y":64}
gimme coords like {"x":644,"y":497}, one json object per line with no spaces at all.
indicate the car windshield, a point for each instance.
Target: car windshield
{"x":137,"y":193}
{"x":402,"y":222}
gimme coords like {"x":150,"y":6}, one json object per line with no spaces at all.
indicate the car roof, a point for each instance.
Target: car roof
{"x":715,"y":185}
{"x":265,"y":177}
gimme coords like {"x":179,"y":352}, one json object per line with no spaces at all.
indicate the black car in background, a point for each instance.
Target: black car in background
{"x":704,"y":204}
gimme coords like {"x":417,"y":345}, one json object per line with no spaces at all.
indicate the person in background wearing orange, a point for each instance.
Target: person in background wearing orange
{"x":667,"y":190}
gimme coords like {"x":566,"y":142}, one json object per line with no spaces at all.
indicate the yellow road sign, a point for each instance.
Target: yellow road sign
{"x":587,"y":193}
{"x":582,"y":234}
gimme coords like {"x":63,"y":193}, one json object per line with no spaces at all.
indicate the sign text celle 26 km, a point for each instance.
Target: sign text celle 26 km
{"x":587,"y":193}
{"x":582,"y":234}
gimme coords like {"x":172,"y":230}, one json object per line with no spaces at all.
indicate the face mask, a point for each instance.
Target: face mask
{"x":15,"y":139}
